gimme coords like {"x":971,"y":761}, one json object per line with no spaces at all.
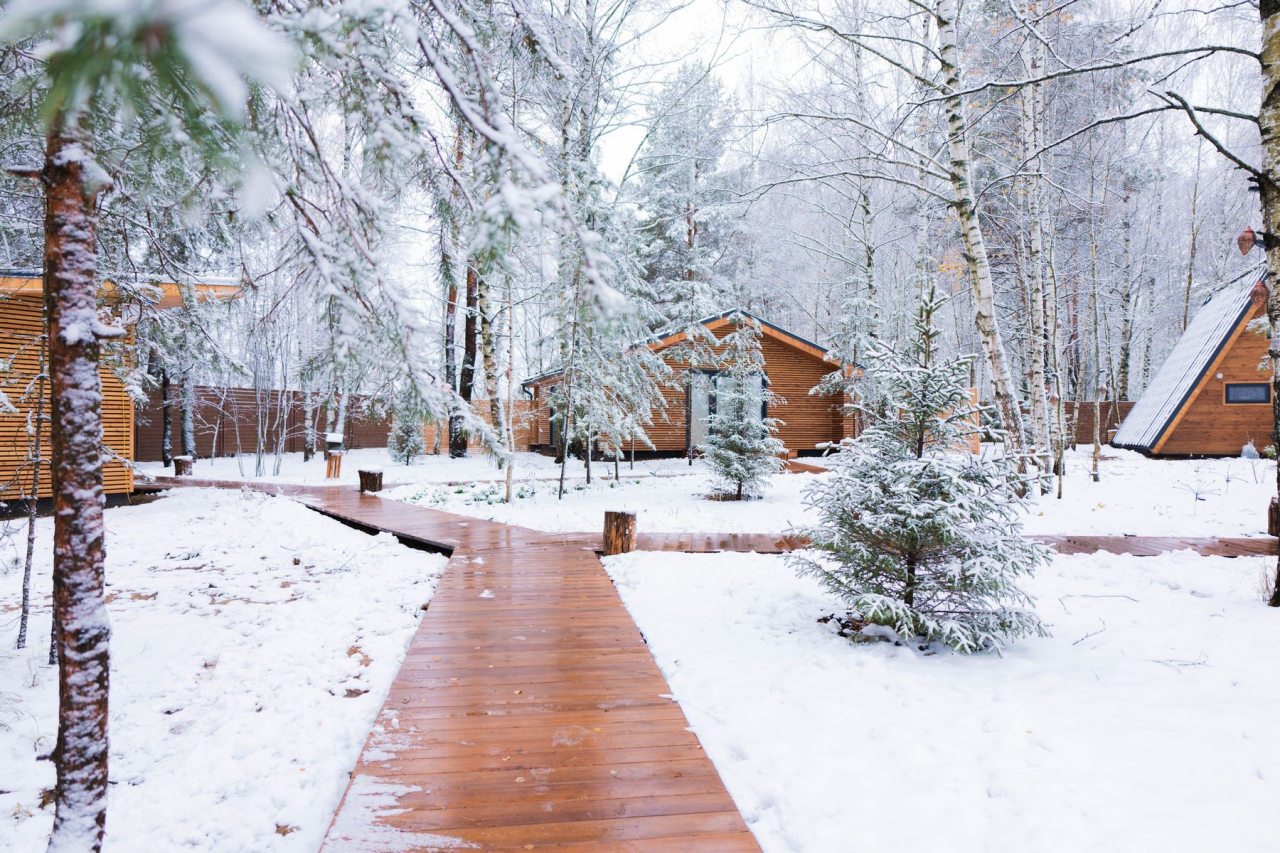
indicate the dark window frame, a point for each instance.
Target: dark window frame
{"x":1229,"y":386}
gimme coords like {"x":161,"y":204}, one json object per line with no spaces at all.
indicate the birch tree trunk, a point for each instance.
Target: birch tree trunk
{"x":79,"y":606}
{"x":467,"y":373}
{"x":489,"y":355}
{"x":1030,"y":118}
{"x":1269,"y":124}
{"x":965,"y":205}
{"x":37,"y":460}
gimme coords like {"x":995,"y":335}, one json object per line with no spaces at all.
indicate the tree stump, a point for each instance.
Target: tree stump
{"x":619,"y":533}
{"x":1273,"y":518}
{"x":183,"y":466}
{"x":371,"y":480}
{"x":333,"y":465}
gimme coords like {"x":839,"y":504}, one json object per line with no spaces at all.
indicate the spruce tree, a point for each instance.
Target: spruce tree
{"x":915,"y":533}
{"x":741,"y":447}
{"x":405,"y":442}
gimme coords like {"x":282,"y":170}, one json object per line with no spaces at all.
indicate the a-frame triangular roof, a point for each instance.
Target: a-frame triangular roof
{"x":1215,"y":327}
{"x":714,"y":323}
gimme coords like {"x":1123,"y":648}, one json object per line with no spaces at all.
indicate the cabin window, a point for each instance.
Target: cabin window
{"x":1248,"y":392}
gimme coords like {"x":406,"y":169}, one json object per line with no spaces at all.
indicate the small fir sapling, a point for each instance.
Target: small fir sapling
{"x":405,"y":442}
{"x":741,"y":447}
{"x":915,"y":534}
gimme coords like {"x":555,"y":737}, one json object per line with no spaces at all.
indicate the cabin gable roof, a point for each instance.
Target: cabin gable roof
{"x":1214,"y":329}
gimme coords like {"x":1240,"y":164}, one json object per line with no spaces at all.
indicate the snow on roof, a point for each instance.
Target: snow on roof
{"x":1182,"y":371}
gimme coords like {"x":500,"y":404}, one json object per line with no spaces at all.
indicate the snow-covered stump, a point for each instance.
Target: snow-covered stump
{"x":619,"y":533}
{"x":370,"y":479}
{"x":183,"y":466}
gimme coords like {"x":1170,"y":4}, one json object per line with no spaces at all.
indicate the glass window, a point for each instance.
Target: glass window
{"x":1248,"y":392}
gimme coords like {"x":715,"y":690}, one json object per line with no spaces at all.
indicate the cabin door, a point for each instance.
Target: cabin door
{"x":701,"y":388}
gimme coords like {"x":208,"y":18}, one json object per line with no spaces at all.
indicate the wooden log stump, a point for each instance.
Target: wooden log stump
{"x":1273,"y":518}
{"x":370,"y":480}
{"x":183,"y":466}
{"x":619,"y":533}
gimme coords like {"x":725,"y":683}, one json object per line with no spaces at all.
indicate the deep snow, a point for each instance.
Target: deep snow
{"x":253,"y":644}
{"x":1144,"y":723}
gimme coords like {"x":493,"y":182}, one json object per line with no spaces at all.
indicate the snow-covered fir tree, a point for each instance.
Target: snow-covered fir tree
{"x":742,"y":447}
{"x":915,"y":533}
{"x":688,"y":198}
{"x":405,"y":442}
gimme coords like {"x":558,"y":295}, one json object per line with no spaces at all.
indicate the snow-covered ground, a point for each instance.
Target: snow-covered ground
{"x":253,"y":644}
{"x":1145,"y":723}
{"x":669,"y":502}
{"x":1159,"y":497}
{"x":1136,"y":495}
{"x":475,"y":467}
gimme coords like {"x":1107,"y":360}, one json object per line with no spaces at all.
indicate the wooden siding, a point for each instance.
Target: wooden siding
{"x":1208,"y":426}
{"x":20,"y":329}
{"x":526,"y":427}
{"x":807,"y":419}
{"x":226,"y":422}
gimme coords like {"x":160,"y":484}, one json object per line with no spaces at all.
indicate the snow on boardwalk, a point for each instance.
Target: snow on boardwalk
{"x":528,"y":711}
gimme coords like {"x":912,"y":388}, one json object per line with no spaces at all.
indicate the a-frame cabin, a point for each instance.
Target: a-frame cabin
{"x":1212,"y":395}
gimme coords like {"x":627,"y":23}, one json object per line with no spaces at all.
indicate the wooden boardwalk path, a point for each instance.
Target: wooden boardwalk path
{"x":528,"y":710}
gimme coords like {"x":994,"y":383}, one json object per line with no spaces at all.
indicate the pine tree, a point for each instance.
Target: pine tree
{"x":689,"y":198}
{"x":914,"y":533}
{"x":741,"y":445}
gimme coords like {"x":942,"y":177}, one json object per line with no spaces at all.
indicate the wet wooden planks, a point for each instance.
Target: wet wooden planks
{"x":528,"y":710}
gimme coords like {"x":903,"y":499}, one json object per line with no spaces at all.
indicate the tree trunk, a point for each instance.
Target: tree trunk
{"x":188,"y":417}
{"x":1269,"y":122}
{"x":83,"y":632}
{"x":166,"y":420}
{"x":489,"y":354}
{"x":36,"y":457}
{"x":1036,"y":350}
{"x":965,"y":205}
{"x":467,"y":375}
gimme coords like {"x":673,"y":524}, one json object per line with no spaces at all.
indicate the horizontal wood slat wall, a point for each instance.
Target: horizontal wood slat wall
{"x":227,"y":422}
{"x":524,"y":417}
{"x":21,"y":324}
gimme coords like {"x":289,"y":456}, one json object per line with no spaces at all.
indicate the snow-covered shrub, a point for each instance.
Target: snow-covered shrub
{"x":405,"y":442}
{"x":741,"y":447}
{"x":914,"y":533}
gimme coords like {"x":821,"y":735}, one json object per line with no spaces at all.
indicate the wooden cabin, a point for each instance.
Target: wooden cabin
{"x":21,"y":330}
{"x":793,"y":367}
{"x":1212,"y":395}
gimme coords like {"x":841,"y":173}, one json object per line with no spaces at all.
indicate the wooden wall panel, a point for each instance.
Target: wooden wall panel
{"x":227,"y":422}
{"x":20,"y":328}
{"x":1208,"y":425}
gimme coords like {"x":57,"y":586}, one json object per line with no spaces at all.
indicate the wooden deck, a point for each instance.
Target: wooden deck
{"x":528,"y":710}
